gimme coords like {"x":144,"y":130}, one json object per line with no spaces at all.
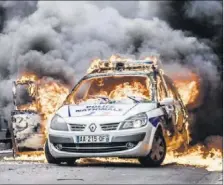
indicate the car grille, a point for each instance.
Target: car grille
{"x":77,"y":127}
{"x":94,"y":147}
{"x":109,"y":126}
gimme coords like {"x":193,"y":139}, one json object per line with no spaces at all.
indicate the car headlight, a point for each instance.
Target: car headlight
{"x":58,"y":123}
{"x":137,"y":121}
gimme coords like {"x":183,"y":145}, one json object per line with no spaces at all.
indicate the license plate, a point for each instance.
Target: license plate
{"x":92,"y":139}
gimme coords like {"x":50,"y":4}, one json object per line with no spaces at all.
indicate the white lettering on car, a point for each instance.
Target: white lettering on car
{"x":99,"y":108}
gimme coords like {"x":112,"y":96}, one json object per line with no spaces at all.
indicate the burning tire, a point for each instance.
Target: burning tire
{"x":157,"y":153}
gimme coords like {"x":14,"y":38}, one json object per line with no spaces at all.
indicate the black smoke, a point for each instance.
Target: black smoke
{"x":60,"y":42}
{"x":2,"y":18}
{"x":207,"y":27}
{"x":23,"y":96}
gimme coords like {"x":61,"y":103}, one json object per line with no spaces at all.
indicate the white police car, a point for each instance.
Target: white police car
{"x":128,"y":110}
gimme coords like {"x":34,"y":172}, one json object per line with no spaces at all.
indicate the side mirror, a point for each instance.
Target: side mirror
{"x":167,"y":101}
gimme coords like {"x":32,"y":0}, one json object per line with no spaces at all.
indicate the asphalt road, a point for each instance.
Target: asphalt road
{"x":103,"y":173}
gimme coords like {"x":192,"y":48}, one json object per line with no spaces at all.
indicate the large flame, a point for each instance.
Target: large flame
{"x":26,"y":77}
{"x":188,"y":87}
{"x":187,"y":84}
{"x":48,"y":98}
{"x":208,"y":155}
{"x":51,"y":94}
{"x":135,"y":89}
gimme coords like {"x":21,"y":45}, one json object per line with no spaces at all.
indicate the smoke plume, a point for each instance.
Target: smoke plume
{"x":59,"y":40}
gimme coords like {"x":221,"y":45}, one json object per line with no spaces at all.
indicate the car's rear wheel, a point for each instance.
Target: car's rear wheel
{"x":158,"y":152}
{"x":53,"y":160}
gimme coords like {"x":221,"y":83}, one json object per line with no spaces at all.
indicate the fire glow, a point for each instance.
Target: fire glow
{"x":188,"y":87}
{"x":51,"y":95}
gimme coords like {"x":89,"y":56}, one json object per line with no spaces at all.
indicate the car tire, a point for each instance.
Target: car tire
{"x":158,"y":152}
{"x":70,"y":161}
{"x":49,"y":157}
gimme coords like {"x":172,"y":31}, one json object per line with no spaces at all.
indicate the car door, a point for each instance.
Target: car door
{"x":169,"y":110}
{"x":180,"y":113}
{"x":26,"y":124}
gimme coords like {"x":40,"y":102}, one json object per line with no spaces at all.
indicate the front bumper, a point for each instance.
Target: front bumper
{"x":123,"y":143}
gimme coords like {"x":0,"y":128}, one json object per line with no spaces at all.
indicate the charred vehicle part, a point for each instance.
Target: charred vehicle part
{"x":26,"y":127}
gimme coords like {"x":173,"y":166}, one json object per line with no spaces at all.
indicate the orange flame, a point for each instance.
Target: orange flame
{"x":26,"y":77}
{"x":188,"y":87}
{"x":52,"y":94}
{"x":135,"y":89}
{"x":209,"y":156}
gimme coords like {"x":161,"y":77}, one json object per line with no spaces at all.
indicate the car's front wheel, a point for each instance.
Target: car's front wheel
{"x":53,"y":160}
{"x":158,"y":152}
{"x":49,"y":157}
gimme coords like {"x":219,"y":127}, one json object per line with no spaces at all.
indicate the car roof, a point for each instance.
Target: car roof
{"x":117,"y":73}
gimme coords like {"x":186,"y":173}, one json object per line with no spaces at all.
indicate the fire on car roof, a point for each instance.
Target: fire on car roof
{"x":51,"y":94}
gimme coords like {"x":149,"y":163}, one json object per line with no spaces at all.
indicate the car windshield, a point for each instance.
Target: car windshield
{"x":112,"y":89}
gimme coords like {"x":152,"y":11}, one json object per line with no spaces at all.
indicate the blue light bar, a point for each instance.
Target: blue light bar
{"x":143,"y":61}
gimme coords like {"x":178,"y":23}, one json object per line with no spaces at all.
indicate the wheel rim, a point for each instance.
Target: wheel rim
{"x":158,"y":149}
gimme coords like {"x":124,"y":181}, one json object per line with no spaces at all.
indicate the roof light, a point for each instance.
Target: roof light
{"x":117,"y":64}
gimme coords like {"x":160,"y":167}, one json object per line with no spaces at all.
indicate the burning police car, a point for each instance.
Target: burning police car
{"x":127,"y":109}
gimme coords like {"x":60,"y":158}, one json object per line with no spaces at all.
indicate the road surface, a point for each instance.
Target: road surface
{"x":103,"y":173}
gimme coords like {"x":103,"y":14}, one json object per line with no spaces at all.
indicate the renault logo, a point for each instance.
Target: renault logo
{"x":92,"y":127}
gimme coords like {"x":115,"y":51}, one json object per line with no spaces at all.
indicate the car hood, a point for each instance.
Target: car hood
{"x":105,"y":109}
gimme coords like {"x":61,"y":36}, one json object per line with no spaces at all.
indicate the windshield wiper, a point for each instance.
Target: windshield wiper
{"x":104,"y":98}
{"x":134,"y":99}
